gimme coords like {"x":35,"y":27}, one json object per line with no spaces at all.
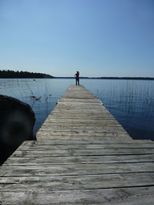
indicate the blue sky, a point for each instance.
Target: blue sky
{"x":96,"y":37}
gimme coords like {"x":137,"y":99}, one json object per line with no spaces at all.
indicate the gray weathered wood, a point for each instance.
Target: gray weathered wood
{"x":82,"y":156}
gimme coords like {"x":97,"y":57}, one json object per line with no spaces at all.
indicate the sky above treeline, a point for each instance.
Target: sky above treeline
{"x":96,"y":37}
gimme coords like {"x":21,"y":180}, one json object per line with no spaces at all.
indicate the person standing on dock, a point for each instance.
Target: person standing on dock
{"x":77,"y":78}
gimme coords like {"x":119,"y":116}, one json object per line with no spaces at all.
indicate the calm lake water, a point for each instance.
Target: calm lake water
{"x":130,"y":101}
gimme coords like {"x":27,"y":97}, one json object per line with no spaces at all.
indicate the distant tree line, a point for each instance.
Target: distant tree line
{"x":22,"y":74}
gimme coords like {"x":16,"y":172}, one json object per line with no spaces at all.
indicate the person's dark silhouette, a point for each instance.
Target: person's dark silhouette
{"x":77,"y":78}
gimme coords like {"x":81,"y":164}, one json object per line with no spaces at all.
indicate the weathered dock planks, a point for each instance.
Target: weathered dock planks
{"x":82,"y":156}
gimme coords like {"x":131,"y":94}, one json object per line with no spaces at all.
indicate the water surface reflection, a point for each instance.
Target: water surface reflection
{"x":130,"y":101}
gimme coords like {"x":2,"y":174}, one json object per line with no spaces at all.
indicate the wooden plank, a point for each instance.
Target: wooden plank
{"x":75,"y":169}
{"x":80,"y":159}
{"x":81,"y":182}
{"x":118,"y":196}
{"x":83,"y":152}
{"x":76,"y":144}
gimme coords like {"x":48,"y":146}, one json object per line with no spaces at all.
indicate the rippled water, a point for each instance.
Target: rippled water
{"x":40,"y":94}
{"x":130,"y":101}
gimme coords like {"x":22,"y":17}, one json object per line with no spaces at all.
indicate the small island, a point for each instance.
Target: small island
{"x":22,"y":74}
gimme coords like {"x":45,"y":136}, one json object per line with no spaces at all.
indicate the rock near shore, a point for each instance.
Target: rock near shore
{"x":17,"y":120}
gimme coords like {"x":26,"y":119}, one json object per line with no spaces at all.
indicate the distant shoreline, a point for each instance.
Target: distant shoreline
{"x":110,"y":78}
{"x":22,"y":74}
{"x":25,"y":74}
{"x":45,"y":76}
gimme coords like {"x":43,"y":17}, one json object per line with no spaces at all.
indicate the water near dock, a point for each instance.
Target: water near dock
{"x":82,"y":156}
{"x":130,"y":101}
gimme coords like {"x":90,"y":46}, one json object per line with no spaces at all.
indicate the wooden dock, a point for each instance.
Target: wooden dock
{"x":82,"y":156}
